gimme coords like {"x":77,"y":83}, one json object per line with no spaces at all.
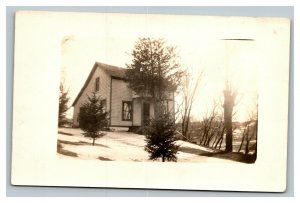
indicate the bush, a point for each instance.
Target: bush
{"x":160,"y":138}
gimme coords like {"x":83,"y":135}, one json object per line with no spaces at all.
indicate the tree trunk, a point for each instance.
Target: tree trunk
{"x":182,"y":131}
{"x":229,"y":98}
{"x":184,"y":124}
{"x":218,"y":141}
{"x":255,"y":153}
{"x":183,"y":128}
{"x":247,"y":144}
{"x":228,"y":126}
{"x":221,"y":143}
{"x":94,"y":141}
{"x":249,"y":140}
{"x":215,"y":141}
{"x":244,"y":135}
{"x":220,"y":137}
{"x":186,"y":128}
{"x":163,"y":158}
{"x":210,"y":138}
{"x":203,"y":137}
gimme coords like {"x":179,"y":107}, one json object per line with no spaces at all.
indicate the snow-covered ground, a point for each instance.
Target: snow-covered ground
{"x":122,"y":146}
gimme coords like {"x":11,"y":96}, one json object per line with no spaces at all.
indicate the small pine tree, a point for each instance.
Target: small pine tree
{"x":93,"y":117}
{"x":160,"y":138}
{"x":63,"y":105}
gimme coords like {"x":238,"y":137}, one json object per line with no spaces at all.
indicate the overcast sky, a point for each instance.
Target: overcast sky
{"x":199,"y":48}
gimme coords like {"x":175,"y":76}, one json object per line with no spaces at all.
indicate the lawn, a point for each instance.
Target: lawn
{"x":123,"y":146}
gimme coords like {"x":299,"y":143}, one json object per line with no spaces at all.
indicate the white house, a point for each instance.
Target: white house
{"x":126,"y":108}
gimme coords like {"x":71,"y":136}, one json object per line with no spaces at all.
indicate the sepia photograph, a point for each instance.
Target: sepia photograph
{"x":163,"y":104}
{"x":125,"y":95}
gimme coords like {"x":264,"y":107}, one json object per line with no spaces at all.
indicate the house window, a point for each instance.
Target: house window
{"x":97,"y":84}
{"x":126,"y":110}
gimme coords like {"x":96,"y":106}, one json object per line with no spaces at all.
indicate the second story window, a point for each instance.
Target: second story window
{"x":97,"y":84}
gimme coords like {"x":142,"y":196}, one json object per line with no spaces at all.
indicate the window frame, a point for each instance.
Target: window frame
{"x":131,"y":110}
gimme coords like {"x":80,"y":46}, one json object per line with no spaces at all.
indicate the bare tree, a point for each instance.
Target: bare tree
{"x":249,"y":132}
{"x":220,"y":135}
{"x":190,"y":91}
{"x":208,"y":126}
{"x":212,"y":128}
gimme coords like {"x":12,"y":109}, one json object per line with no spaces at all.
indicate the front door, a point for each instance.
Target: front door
{"x":146,"y":113}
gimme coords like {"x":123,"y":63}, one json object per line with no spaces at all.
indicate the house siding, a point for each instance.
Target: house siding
{"x":120,"y":93}
{"x":137,"y":112}
{"x":151,"y":110}
{"x":114,"y":90}
{"x":104,"y":92}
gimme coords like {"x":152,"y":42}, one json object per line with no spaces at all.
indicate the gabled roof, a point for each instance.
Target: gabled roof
{"x":113,"y":71}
